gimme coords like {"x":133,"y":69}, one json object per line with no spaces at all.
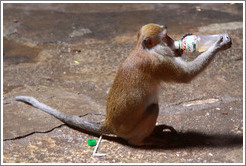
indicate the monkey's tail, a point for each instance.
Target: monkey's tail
{"x":73,"y":121}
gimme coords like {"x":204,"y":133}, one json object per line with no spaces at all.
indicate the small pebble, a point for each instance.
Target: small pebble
{"x":15,"y":21}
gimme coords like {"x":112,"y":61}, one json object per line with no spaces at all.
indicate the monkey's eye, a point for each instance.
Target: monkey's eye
{"x":148,"y":43}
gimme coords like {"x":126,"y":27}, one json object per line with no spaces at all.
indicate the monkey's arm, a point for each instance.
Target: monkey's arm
{"x":185,"y":71}
{"x":73,"y":121}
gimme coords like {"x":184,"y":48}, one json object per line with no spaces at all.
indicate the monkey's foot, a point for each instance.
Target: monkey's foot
{"x":159,"y":129}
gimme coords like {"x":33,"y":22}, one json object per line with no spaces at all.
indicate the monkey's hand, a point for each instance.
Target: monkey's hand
{"x":178,"y":52}
{"x":223,"y":43}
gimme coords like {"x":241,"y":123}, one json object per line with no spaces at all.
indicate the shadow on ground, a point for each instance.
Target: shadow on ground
{"x":180,"y":140}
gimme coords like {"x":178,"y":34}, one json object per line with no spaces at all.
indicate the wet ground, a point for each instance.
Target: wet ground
{"x":66,"y":55}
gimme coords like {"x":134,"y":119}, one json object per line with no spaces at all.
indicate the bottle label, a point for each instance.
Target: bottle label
{"x":190,"y":43}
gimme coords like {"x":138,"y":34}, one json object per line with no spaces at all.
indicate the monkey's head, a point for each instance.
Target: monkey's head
{"x":152,"y":35}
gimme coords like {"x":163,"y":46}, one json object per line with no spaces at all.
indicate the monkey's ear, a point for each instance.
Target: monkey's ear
{"x":165,"y":32}
{"x":148,"y":43}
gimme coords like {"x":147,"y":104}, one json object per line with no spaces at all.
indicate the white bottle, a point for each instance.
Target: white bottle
{"x":194,"y":43}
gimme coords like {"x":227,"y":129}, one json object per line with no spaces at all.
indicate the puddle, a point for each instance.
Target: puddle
{"x":16,"y":53}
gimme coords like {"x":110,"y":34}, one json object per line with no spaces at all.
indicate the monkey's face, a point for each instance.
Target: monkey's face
{"x":154,"y":36}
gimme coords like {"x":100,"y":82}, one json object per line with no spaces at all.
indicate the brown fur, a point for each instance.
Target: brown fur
{"x":134,"y":88}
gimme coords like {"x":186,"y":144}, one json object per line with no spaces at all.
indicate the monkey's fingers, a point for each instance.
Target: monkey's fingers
{"x":224,"y":42}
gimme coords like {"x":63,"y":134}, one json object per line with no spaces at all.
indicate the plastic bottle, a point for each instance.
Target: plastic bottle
{"x":194,"y":43}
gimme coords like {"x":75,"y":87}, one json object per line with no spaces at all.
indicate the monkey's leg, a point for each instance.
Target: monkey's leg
{"x":145,"y":127}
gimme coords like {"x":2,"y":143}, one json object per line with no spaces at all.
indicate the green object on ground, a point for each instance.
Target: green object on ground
{"x":92,"y":142}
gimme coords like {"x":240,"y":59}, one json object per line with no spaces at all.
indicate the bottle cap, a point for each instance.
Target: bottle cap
{"x":92,"y":142}
{"x":177,"y":44}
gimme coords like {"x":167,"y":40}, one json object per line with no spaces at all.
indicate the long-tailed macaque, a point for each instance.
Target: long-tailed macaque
{"x":132,"y":103}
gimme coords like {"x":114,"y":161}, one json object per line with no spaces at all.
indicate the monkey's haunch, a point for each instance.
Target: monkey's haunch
{"x":73,"y":121}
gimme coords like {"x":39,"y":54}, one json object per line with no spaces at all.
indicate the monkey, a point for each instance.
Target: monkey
{"x":132,"y":102}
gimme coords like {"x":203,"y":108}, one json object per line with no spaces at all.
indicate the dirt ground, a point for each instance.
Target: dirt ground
{"x":67,"y":55}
